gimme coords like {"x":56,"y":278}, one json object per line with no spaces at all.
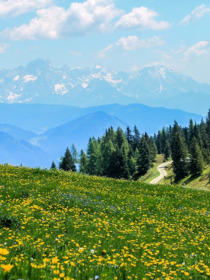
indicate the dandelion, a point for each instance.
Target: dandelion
{"x":4,"y":251}
{"x":7,"y":267}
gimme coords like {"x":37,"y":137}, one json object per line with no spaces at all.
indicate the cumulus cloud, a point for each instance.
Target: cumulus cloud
{"x":141,"y":17}
{"x":132,"y":43}
{"x":196,"y":14}
{"x":3,"y":48}
{"x":198,"y":49}
{"x":17,"y":7}
{"x":56,"y":22}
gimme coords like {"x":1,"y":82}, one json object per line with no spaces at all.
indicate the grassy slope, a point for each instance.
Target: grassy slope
{"x":197,"y":182}
{"x":57,"y":225}
{"x":200,"y":182}
{"x":153,"y":173}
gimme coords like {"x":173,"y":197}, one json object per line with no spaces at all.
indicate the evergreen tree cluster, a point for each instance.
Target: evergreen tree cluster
{"x":189,"y":147}
{"x":119,"y":155}
{"x":129,"y":155}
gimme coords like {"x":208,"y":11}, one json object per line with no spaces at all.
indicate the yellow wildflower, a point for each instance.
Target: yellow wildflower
{"x":7,"y":267}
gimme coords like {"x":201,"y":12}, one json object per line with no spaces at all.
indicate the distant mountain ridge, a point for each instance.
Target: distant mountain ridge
{"x":37,"y":134}
{"x":40,"y":82}
{"x":17,"y":152}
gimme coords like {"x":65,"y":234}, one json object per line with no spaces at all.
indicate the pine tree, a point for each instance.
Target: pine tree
{"x":108,"y":153}
{"x":67,"y":162}
{"x":128,"y":135}
{"x":74,"y":153}
{"x":178,"y":153}
{"x":196,"y":159}
{"x":143,"y":160}
{"x":136,"y":138}
{"x":83,"y":162}
{"x":94,"y":165}
{"x":167,"y":150}
{"x":53,"y":165}
{"x":205,"y":149}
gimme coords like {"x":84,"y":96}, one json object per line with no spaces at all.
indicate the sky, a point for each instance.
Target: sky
{"x":122,"y":35}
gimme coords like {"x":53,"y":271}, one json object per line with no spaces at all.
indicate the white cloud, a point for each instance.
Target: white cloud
{"x":132,"y":43}
{"x":196,"y":14}
{"x":3,"y":48}
{"x":56,"y":22}
{"x":198,"y":49}
{"x":141,"y":17}
{"x":17,"y":7}
{"x":103,"y":53}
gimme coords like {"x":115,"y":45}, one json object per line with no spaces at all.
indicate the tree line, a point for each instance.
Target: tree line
{"x":129,"y":155}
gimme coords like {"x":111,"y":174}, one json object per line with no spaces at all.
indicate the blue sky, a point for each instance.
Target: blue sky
{"x":118,"y":34}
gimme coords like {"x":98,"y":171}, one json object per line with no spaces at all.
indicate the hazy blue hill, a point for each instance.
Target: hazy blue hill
{"x":17,"y":152}
{"x":37,"y":117}
{"x":61,"y":126}
{"x":16,"y":132}
{"x":78,"y":132}
{"x":149,"y":119}
{"x":40,"y":118}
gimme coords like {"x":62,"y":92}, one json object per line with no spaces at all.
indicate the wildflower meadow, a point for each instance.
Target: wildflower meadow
{"x":63,"y":225}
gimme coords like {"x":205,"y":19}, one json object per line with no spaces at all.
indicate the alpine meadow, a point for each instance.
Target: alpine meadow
{"x":104,"y":140}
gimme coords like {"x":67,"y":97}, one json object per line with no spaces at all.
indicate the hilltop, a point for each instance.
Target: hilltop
{"x":63,"y":225}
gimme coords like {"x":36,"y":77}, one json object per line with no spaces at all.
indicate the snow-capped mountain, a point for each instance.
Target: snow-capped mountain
{"x":40,"y":82}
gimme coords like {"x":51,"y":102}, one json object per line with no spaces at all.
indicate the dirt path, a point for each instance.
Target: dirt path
{"x":162,"y":171}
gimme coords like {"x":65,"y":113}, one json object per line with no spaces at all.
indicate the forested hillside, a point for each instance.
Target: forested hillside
{"x":129,"y":154}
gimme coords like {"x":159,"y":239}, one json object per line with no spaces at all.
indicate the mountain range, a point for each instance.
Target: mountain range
{"x":36,"y":134}
{"x":157,"y":86}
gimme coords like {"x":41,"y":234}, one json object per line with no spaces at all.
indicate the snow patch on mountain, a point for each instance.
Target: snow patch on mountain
{"x":109,"y":78}
{"x":16,"y":78}
{"x":84,"y":85}
{"x":60,"y":89}
{"x":29,"y":78}
{"x":163,"y":73}
{"x":13,"y":96}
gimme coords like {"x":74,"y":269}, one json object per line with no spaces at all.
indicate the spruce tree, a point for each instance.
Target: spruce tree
{"x":83,"y":162}
{"x":143,"y":160}
{"x":128,"y":135}
{"x":94,"y":165}
{"x":196,"y":158}
{"x":178,"y":153}
{"x":136,"y":138}
{"x":108,"y":159}
{"x":53,"y":165}
{"x":67,"y":162}
{"x":74,"y":153}
{"x":167,"y":150}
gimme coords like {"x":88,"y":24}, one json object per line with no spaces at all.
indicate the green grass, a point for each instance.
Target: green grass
{"x":197,"y":182}
{"x":153,"y":172}
{"x":57,"y":225}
